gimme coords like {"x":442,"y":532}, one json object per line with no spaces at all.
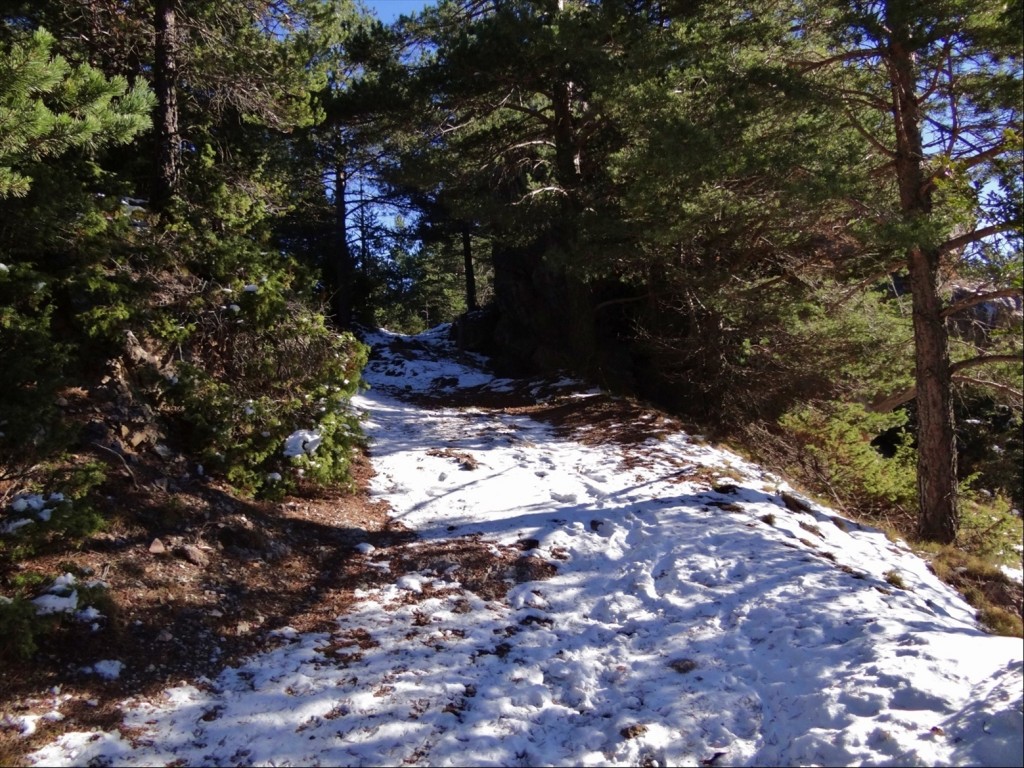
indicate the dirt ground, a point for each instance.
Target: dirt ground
{"x":197,"y":578}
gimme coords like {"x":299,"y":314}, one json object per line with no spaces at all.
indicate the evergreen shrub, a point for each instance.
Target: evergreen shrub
{"x":258,"y":363}
{"x":832,"y":445}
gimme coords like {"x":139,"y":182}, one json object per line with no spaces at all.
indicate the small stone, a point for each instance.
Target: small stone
{"x":192,"y":554}
{"x":795,"y":503}
{"x":683,"y":666}
{"x":164,"y":636}
{"x":633,"y":731}
{"x":157,"y":547}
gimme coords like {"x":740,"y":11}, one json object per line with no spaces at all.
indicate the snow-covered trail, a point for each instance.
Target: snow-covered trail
{"x":694,"y":618}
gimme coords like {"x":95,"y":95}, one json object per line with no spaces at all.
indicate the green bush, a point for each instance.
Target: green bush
{"x":989,"y":529}
{"x":33,"y":369}
{"x":258,"y":371}
{"x":21,"y":628}
{"x":26,"y":624}
{"x":832,"y":447}
{"x":62,"y":517}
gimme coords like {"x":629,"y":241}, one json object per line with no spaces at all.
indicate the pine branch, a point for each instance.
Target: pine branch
{"x":976,"y":236}
{"x":980,"y":298}
{"x":974,"y":362}
{"x":1016,"y":393}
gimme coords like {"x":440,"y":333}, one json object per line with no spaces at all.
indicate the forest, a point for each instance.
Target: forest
{"x":796,"y":223}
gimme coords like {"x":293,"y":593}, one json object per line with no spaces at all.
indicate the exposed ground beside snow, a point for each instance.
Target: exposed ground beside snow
{"x":699,"y":613}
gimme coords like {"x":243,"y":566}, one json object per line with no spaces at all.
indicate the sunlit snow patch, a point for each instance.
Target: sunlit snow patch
{"x":61,"y":597}
{"x":108,"y":669}
{"x":303,"y":441}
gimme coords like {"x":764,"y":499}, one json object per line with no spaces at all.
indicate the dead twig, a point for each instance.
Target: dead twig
{"x":123,"y":461}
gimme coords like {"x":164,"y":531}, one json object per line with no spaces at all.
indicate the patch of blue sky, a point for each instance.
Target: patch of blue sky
{"x":389,"y":10}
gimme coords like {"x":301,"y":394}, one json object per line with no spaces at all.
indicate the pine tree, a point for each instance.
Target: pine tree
{"x":935,"y":88}
{"x":48,"y":107}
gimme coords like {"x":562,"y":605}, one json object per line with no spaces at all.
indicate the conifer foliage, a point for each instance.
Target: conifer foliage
{"x":48,"y":107}
{"x":150,"y":157}
{"x":798,"y":222}
{"x":673,"y":191}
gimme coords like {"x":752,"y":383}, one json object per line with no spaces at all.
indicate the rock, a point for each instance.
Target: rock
{"x":240,"y":532}
{"x":192,"y":554}
{"x":683,"y":666}
{"x":276,"y":550}
{"x":795,"y":503}
{"x":633,"y":731}
{"x":157,"y":547}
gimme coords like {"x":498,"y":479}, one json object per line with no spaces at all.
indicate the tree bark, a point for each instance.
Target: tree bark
{"x":344,"y":269}
{"x":938,"y":518}
{"x":165,"y":86}
{"x":467,"y":258}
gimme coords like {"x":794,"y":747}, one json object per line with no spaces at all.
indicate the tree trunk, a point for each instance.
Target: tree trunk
{"x":568,"y":170}
{"x":467,"y":258}
{"x":165,"y":85}
{"x":344,"y":269}
{"x":936,"y":443}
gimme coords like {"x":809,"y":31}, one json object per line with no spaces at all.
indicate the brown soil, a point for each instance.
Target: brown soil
{"x":227,"y":571}
{"x":198,"y":578}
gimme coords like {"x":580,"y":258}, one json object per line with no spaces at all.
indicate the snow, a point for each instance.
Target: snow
{"x":302,"y":442}
{"x":1015,"y":574}
{"x":683,"y":625}
{"x":108,"y":669}
{"x":60,"y":597}
{"x":41,"y":506}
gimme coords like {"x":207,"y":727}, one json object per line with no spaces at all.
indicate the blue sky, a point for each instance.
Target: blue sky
{"x":389,"y":10}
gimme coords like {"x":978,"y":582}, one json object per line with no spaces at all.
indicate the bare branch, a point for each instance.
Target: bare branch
{"x":973,"y":237}
{"x":539,"y":114}
{"x":124,"y":461}
{"x":871,"y":138}
{"x":983,"y":155}
{"x":897,"y":399}
{"x":624,"y":300}
{"x":540,"y":191}
{"x":980,"y":298}
{"x":992,"y":385}
{"x":974,"y":362}
{"x":888,"y":269}
{"x":810,"y":66}
{"x":863,"y":98}
{"x":893,"y":401}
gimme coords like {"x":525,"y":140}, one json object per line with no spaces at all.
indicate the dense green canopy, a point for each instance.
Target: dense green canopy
{"x":799,"y":222}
